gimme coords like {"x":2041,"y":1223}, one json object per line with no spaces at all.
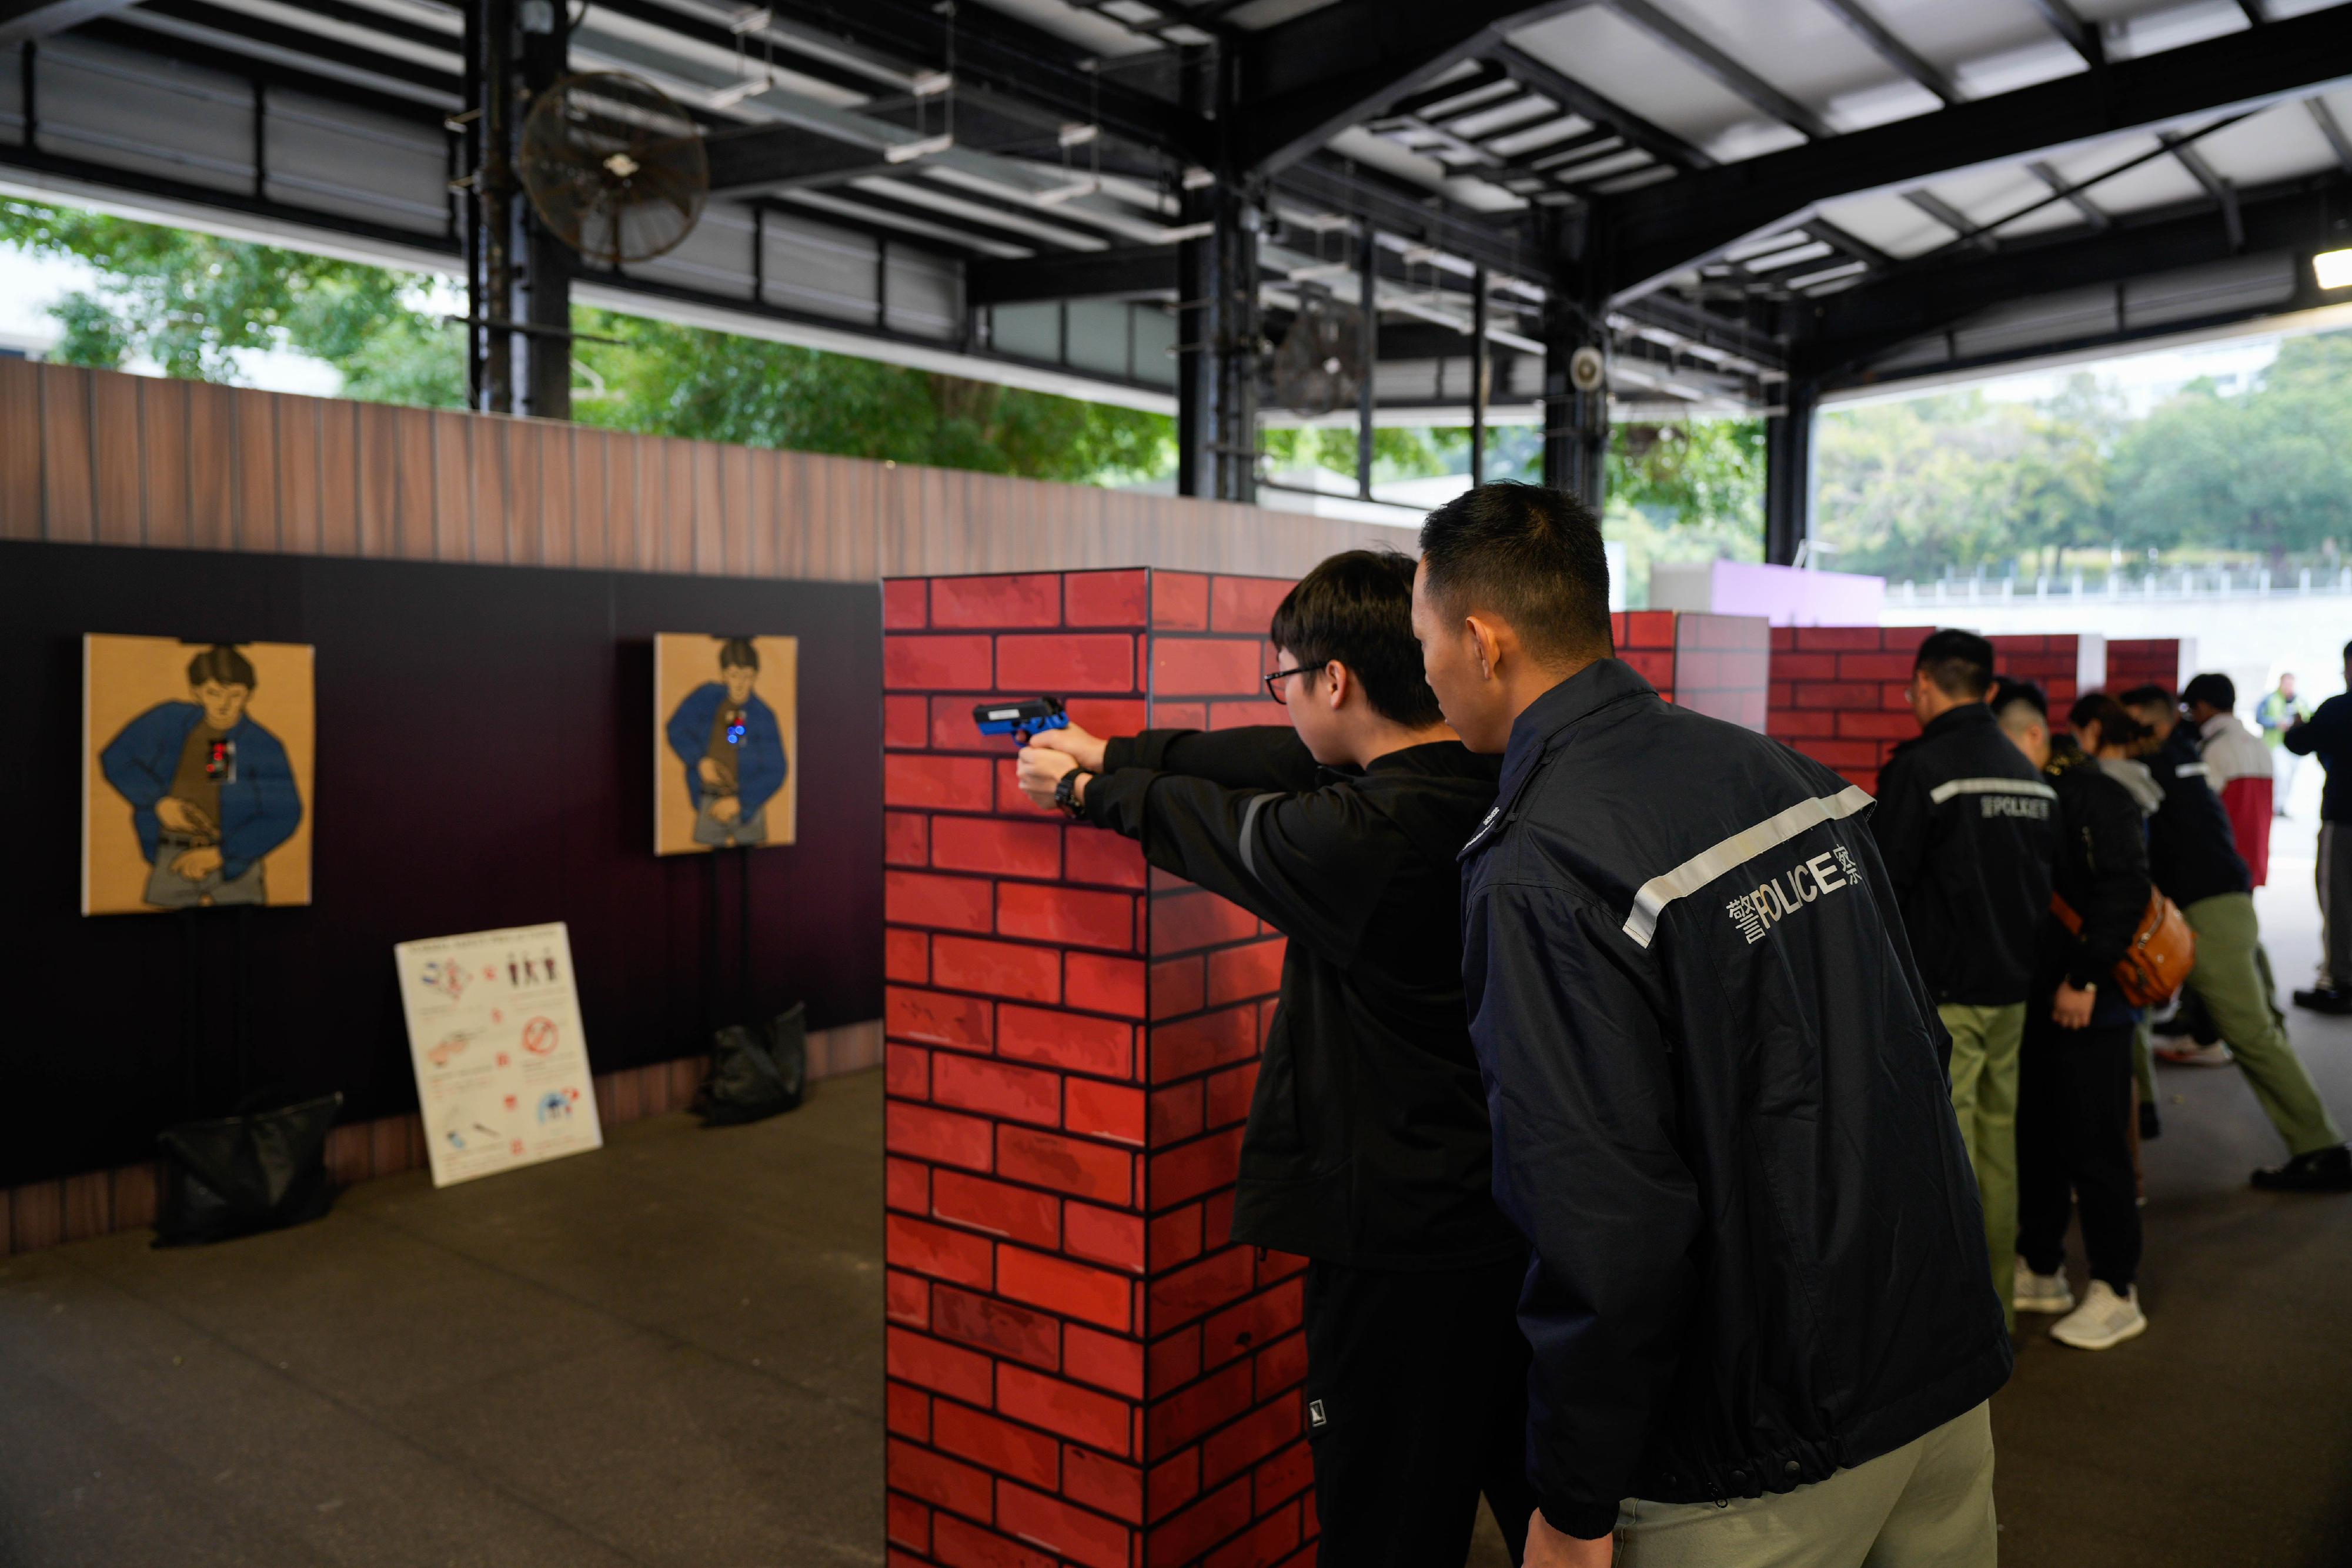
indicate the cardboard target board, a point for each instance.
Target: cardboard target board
{"x":502,"y":1064}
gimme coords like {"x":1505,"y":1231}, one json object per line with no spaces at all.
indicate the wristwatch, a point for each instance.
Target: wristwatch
{"x":1065,"y":792}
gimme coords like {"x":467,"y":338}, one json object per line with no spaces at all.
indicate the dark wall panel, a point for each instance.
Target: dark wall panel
{"x":485,"y":740}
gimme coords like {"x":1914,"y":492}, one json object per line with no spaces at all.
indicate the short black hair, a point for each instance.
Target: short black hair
{"x":1960,"y":663}
{"x":2149,"y":695}
{"x":2348,"y":651}
{"x":1357,"y":608}
{"x":2116,"y":726}
{"x":1533,"y":555}
{"x":2212,"y":688}
{"x":224,"y":663}
{"x":2008,"y":693}
{"x":738,"y":651}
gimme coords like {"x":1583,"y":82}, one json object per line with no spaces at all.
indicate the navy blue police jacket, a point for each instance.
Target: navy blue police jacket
{"x":1715,"y":1083}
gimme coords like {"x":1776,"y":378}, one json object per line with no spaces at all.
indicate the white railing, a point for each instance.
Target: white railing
{"x":2219,"y":582}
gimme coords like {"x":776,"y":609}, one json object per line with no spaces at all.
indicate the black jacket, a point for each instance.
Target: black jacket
{"x":1716,"y":1087}
{"x":2102,"y":876}
{"x":1967,"y":830}
{"x":2192,"y":852}
{"x":1367,"y":1141}
{"x":2327,"y":734}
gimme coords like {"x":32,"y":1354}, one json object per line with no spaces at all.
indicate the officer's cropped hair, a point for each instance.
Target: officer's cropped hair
{"x":2147,"y":696}
{"x":2213,"y":689}
{"x":738,"y":652}
{"x":223,"y":664}
{"x":2019,"y":705}
{"x":1357,"y":608}
{"x":1531,"y":555}
{"x":1958,"y":663}
{"x":2117,"y":725}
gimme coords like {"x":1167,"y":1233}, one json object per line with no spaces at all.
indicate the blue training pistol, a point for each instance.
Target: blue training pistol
{"x":1024,"y":718}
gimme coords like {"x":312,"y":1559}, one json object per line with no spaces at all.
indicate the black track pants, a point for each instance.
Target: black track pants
{"x":2074,"y":1146}
{"x":1417,"y":1402}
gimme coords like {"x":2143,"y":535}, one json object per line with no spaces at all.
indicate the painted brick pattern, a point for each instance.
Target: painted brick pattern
{"x":2166,"y":661}
{"x":1084,"y":1369}
{"x":1836,"y":692}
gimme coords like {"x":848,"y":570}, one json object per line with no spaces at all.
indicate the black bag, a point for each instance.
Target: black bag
{"x":257,"y":1170}
{"x":753,"y":1078}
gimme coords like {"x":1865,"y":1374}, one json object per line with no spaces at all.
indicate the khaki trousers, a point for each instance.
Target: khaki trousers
{"x":1984,"y":1097}
{"x":1928,"y":1504}
{"x":2232,"y":978}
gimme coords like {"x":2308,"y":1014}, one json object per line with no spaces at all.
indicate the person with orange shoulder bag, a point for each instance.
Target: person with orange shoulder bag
{"x":2073,"y":1144}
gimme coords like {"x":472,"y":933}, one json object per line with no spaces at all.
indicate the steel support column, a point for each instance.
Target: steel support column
{"x":1368,"y":294}
{"x":546,"y":381}
{"x":1576,"y":423}
{"x":1480,"y":367}
{"x":1217,"y":326}
{"x":491,"y":213}
{"x":1789,"y":473}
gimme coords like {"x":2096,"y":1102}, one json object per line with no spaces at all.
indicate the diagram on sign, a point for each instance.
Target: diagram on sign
{"x":495,"y":1037}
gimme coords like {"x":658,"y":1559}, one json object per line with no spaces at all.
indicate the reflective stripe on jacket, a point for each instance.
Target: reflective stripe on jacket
{"x":1719,"y":1110}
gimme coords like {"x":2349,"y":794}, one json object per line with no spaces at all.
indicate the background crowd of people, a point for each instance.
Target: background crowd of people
{"x":2026,"y":854}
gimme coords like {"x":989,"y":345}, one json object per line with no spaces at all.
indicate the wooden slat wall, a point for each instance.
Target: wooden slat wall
{"x":98,"y":457}
{"x":95,"y":457}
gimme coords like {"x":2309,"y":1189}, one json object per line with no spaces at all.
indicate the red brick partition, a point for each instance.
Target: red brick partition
{"x":1837,"y":690}
{"x":1083,"y":1369}
{"x":2149,"y":660}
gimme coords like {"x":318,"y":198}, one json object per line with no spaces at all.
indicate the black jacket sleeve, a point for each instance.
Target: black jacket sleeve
{"x":1582,"y":1096}
{"x":2114,"y":846}
{"x":1900,"y":823}
{"x":2325,"y":730}
{"x":1311,"y":865}
{"x":1257,"y":757}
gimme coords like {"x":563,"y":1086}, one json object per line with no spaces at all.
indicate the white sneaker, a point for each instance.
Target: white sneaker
{"x":2104,"y":1318}
{"x":2213,"y":1055}
{"x":2040,"y":1292}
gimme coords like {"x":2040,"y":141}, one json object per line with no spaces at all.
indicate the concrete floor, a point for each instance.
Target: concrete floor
{"x":670,"y":1352}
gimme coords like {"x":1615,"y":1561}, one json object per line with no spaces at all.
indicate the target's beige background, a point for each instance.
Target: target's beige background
{"x":125,"y":676}
{"x":685,"y":660}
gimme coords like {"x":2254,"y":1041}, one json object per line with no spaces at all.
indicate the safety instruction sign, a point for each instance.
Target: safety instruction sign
{"x":502,"y":1064}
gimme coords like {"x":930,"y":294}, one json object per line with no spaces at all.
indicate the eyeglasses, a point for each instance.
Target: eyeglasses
{"x":1274,"y":686}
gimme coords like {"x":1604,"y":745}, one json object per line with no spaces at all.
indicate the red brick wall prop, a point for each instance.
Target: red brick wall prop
{"x":1836,"y":692}
{"x":1084,"y":1369}
{"x":2166,"y":661}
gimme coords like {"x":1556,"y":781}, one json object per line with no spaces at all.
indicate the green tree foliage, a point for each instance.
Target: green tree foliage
{"x":1959,"y":481}
{"x":682,"y":380}
{"x":2268,"y":471}
{"x":192,"y":304}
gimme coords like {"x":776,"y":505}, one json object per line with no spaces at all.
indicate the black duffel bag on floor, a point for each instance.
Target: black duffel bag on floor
{"x":753,"y":1077}
{"x":261,"y":1169}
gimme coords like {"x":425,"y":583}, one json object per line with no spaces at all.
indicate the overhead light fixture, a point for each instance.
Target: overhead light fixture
{"x":735,"y":93}
{"x":1054,"y":197}
{"x":2333,"y":268}
{"x":908,"y":152}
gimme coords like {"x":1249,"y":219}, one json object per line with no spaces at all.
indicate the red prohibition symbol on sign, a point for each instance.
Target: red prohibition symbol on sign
{"x":539,"y":1036}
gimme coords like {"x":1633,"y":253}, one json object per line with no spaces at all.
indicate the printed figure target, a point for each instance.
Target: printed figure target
{"x":196,"y":768}
{"x":726,"y":742}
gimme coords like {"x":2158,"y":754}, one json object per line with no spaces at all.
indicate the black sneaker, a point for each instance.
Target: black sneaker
{"x":2151,"y":1125}
{"x":2324,"y":1001}
{"x":2322,"y":1170}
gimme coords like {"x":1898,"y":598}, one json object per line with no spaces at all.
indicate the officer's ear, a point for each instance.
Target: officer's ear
{"x":1336,"y":679}
{"x":1492,"y":638}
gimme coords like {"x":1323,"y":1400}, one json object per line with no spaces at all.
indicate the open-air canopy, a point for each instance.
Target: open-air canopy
{"x":1740,"y":205}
